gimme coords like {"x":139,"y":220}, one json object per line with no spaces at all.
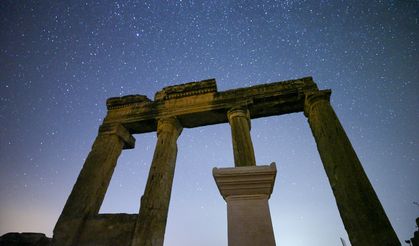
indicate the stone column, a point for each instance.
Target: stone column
{"x":151,"y":223}
{"x":93,"y":181}
{"x":239,"y":120}
{"x":363,"y":216}
{"x":246,"y":191}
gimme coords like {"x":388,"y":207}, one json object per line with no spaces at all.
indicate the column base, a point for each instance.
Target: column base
{"x":246,"y":191}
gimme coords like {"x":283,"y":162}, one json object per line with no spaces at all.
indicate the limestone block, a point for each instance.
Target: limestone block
{"x":24,"y":239}
{"x":108,"y":230}
{"x":246,"y":191}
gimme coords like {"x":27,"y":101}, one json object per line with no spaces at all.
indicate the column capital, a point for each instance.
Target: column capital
{"x":169,"y":124}
{"x":313,"y":97}
{"x":120,"y":131}
{"x":239,"y":112}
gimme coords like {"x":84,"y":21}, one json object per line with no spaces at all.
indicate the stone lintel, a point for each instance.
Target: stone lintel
{"x":245,"y":182}
{"x":187,"y":89}
{"x":120,"y":131}
{"x":199,"y":104}
{"x":116,"y":102}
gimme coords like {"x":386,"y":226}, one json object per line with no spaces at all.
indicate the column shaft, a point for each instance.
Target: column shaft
{"x":244,"y":154}
{"x":359,"y":207}
{"x":91,"y":185}
{"x":151,"y":224}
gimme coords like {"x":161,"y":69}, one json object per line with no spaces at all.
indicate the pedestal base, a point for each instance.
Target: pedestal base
{"x":246,"y":191}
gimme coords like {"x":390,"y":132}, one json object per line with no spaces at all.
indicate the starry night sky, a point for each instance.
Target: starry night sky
{"x":61,"y":60}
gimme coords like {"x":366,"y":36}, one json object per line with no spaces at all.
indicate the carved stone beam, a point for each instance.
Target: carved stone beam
{"x":199,"y":103}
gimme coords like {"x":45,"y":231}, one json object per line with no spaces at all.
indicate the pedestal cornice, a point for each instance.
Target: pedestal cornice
{"x":245,"y":181}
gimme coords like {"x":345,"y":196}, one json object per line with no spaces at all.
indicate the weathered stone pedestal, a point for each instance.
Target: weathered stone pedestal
{"x":246,"y":191}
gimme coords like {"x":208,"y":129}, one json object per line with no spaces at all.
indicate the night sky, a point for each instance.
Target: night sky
{"x":61,"y":60}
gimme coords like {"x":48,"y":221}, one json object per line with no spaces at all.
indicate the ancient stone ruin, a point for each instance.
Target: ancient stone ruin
{"x":246,"y":187}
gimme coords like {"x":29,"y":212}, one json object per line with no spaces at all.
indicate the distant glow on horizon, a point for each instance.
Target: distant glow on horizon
{"x":60,"y":61}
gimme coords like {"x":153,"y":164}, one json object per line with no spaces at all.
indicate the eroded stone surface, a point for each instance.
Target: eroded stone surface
{"x":24,"y":239}
{"x":244,"y":154}
{"x":199,"y":104}
{"x":108,"y":230}
{"x":151,"y":223}
{"x":188,"y":89}
{"x":361,"y":211}
{"x":91,"y":185}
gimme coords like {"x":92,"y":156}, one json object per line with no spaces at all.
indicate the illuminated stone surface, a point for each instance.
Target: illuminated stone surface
{"x":246,"y":191}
